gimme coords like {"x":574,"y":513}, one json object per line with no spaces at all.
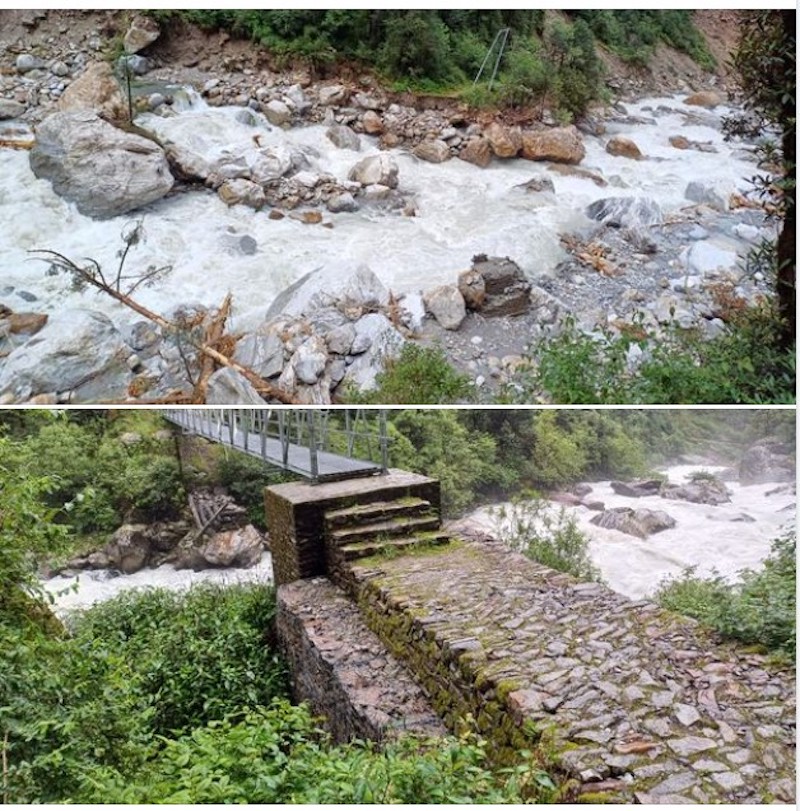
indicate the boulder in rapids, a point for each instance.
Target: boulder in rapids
{"x":380,"y":170}
{"x":105,"y":171}
{"x":477,"y":151}
{"x":624,"y":148}
{"x":626,"y":212}
{"x":559,"y":144}
{"x":436,"y":151}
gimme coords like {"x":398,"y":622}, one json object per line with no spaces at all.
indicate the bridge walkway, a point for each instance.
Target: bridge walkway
{"x":288,"y":439}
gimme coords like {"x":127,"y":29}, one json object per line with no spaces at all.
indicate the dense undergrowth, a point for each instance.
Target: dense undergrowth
{"x":157,"y":697}
{"x":551,"y":57}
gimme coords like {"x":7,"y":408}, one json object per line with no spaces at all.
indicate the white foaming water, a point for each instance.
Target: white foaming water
{"x":461,"y":211}
{"x":710,"y":538}
{"x":88,"y":588}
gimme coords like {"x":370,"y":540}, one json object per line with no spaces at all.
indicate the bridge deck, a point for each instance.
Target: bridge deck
{"x":330,"y":466}
{"x":643,"y":705}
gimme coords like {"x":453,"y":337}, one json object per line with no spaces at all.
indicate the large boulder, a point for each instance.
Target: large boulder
{"x":77,"y":350}
{"x":638,"y":523}
{"x":446,"y":304}
{"x":261,"y":353}
{"x":769,"y":460}
{"x":96,"y":90}
{"x":626,"y":212}
{"x":704,"y":98}
{"x":343,"y":137}
{"x":105,"y":171}
{"x":129,"y":549}
{"x":505,"y":142}
{"x":436,"y":151}
{"x":143,"y":31}
{"x":359,"y":290}
{"x":237,"y":547}
{"x":637,"y":489}
{"x":375,"y":170}
{"x":478,"y":152}
{"x":495,"y":287}
{"x":560,"y":145}
{"x":227,"y":387}
{"x":706,"y":489}
{"x":624,"y":148}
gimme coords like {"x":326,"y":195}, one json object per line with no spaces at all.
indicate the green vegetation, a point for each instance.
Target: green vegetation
{"x":549,"y":537}
{"x":551,"y":56}
{"x":744,"y":365}
{"x":419,"y":375}
{"x":760,"y":609}
{"x":634,"y":34}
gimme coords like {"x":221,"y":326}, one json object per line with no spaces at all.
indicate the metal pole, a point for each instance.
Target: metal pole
{"x":384,"y":440}
{"x":312,"y":447}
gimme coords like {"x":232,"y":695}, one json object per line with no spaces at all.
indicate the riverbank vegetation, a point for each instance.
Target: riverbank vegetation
{"x":550,"y":57}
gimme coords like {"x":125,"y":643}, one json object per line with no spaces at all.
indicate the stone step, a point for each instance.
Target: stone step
{"x":365,"y":549}
{"x":375,"y":511}
{"x":380,"y":530}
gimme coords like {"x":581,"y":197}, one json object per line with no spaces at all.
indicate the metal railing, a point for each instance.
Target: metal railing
{"x":320,"y":444}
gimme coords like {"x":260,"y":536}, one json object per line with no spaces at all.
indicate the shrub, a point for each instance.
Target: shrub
{"x":744,"y":365}
{"x":419,"y":375}
{"x":552,"y":539}
{"x":198,"y":656}
{"x":245,"y":478}
{"x":277,"y":754}
{"x":761,"y":609}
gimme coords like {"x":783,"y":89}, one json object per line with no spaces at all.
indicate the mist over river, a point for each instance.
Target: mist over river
{"x":461,"y":210}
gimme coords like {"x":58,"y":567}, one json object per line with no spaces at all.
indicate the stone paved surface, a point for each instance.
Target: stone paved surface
{"x":641,"y":703}
{"x":343,"y":670}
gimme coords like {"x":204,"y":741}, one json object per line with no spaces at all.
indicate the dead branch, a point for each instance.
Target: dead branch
{"x":92,"y":276}
{"x":213,"y":334}
{"x":11,"y":143}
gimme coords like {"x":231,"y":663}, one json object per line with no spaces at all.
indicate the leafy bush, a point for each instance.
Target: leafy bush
{"x":761,"y":609}
{"x":245,"y":478}
{"x":420,"y":375}
{"x":744,"y":365}
{"x":199,"y":655}
{"x":278,"y":755}
{"x":530,"y":526}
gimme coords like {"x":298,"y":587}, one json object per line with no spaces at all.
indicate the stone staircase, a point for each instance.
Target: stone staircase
{"x":381,"y":527}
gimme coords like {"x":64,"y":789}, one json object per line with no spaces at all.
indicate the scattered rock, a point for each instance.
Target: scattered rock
{"x":624,"y":148}
{"x":277,"y":113}
{"x":446,"y":305}
{"x":241,"y":191}
{"x":504,"y":141}
{"x":704,"y":98}
{"x":343,"y":137}
{"x":478,"y":152}
{"x":432,"y":151}
{"x":10,"y":109}
{"x":142,"y":32}
{"x":376,"y":170}
{"x":503,"y":289}
{"x":372,"y":123}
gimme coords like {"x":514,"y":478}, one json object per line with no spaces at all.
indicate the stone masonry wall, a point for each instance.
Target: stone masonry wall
{"x":295,"y":516}
{"x":343,"y":670}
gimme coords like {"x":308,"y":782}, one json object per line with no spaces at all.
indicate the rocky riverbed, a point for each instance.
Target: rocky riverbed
{"x":344,"y":220}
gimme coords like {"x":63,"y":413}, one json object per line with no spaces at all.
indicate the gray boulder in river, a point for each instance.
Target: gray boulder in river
{"x":104,"y":170}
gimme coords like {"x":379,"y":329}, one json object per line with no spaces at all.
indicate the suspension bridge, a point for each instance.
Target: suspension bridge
{"x":317,"y":444}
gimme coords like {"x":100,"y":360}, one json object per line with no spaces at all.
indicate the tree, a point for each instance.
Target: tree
{"x":766,"y":63}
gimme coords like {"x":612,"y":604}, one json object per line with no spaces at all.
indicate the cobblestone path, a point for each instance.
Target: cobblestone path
{"x":643,"y":705}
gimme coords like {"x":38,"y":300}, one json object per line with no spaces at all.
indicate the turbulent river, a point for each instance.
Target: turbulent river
{"x":461,"y":211}
{"x":725,"y":538}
